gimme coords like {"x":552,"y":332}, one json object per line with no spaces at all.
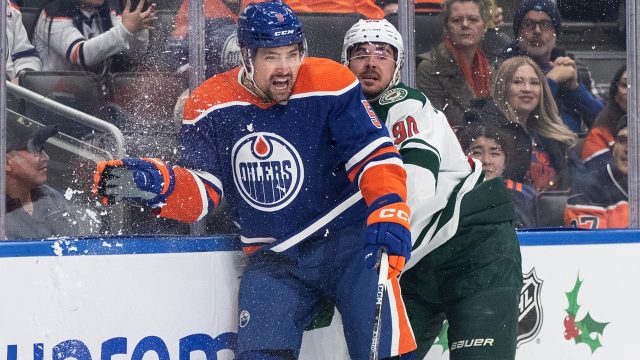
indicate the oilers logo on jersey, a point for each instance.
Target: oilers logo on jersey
{"x":267,"y":171}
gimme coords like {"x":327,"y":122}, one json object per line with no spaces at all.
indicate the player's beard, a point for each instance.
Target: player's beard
{"x":279,"y":87}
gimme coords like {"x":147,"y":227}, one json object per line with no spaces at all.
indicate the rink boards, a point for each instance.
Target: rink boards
{"x":167,"y":298}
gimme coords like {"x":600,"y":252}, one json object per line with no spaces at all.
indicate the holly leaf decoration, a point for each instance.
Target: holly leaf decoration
{"x":593,"y":343}
{"x":588,"y":326}
{"x":572,"y":297}
{"x":443,"y":338}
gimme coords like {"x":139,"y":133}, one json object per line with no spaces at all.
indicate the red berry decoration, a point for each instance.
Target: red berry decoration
{"x":571,"y":331}
{"x":569,"y":322}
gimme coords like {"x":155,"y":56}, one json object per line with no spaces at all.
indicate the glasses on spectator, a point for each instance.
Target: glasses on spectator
{"x":530,"y":25}
{"x":622,"y":140}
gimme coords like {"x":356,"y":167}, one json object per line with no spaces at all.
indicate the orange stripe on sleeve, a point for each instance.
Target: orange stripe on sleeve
{"x":381,"y":151}
{"x":406,"y":339}
{"x":382,"y":180}
{"x":185,"y":202}
{"x":75,"y":54}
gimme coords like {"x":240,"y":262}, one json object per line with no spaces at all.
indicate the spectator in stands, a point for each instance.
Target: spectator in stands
{"x":600,"y":198}
{"x":34,"y":210}
{"x":366,"y":8}
{"x":536,"y":25}
{"x":597,"y":145}
{"x":521,"y":96}
{"x":457,"y":70}
{"x":21,"y":55}
{"x":495,"y":147}
{"x":85,"y":34}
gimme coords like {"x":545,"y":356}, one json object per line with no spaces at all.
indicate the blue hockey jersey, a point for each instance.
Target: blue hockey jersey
{"x":288,"y":169}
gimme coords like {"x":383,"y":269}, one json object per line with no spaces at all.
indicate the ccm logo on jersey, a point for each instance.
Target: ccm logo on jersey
{"x":394,"y":213}
{"x":372,"y":114}
{"x":284,"y":32}
{"x":267,"y":171}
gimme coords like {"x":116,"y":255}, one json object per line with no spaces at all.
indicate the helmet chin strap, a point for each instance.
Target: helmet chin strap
{"x":394,"y":81}
{"x":248,"y":71}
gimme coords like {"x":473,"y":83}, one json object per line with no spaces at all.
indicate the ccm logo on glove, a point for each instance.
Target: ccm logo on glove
{"x":391,"y":213}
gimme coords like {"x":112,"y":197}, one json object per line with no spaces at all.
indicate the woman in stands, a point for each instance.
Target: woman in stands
{"x":596,"y":148}
{"x":457,"y":70}
{"x":85,"y":34}
{"x":522,"y":94}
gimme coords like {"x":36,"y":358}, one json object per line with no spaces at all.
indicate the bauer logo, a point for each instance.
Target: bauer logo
{"x":267,"y":171}
{"x":530,"y":319}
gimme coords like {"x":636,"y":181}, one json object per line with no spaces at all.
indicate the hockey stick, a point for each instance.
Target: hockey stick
{"x":383,"y":272}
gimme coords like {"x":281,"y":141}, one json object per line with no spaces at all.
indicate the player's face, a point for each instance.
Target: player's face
{"x":491,"y":154}
{"x":524,"y":91}
{"x":465,"y":27}
{"x":374,"y":65}
{"x":28,"y":168}
{"x":276,"y":70}
{"x":621,"y":152}
{"x":537,"y":35}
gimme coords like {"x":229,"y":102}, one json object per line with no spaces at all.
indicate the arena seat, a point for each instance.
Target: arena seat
{"x":29,"y":17}
{"x":80,"y":90}
{"x":325,"y":32}
{"x":147,"y":95}
{"x":550,"y":208}
{"x":428,"y":32}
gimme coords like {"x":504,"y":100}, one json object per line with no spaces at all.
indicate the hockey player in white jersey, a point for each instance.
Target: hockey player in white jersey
{"x":465,"y":265}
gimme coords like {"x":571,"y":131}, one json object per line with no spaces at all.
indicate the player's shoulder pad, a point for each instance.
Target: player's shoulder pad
{"x":219,"y":89}
{"x":323,"y":75}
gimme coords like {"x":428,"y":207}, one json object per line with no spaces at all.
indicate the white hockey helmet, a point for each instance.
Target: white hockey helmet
{"x":374,"y":31}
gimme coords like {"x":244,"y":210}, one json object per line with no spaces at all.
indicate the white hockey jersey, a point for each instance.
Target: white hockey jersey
{"x":439,"y":174}
{"x":20,"y":54}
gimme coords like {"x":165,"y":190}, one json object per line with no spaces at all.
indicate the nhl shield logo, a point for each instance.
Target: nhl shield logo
{"x":267,"y":171}
{"x":530,"y":319}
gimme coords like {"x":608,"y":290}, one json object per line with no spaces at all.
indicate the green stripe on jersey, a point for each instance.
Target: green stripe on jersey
{"x":423,"y":158}
{"x":443,"y":216}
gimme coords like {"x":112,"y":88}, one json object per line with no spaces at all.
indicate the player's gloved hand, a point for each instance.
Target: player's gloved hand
{"x":388,"y":228}
{"x":148,"y":180}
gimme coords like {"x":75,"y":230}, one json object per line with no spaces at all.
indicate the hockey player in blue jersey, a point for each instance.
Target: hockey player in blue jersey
{"x":299,"y":153}
{"x":465,"y":265}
